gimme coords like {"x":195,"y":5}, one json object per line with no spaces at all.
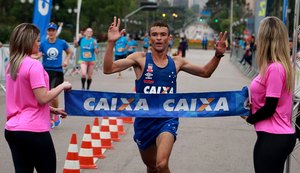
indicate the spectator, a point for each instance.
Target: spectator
{"x":204,"y":42}
{"x":183,"y":46}
{"x":272,"y":98}
{"x":27,"y":104}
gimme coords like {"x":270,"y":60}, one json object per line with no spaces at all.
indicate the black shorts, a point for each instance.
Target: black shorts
{"x":55,"y":78}
{"x":117,"y":57}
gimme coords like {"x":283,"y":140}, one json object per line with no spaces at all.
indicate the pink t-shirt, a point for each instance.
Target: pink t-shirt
{"x":273,"y":85}
{"x":23,"y":111}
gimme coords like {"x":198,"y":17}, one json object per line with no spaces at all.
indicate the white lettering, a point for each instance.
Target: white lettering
{"x":182,"y":105}
{"x":102,"y":104}
{"x":168,"y":105}
{"x":142,"y":105}
{"x":87,"y":104}
{"x":158,"y":90}
{"x":152,"y":90}
{"x":222,"y":104}
{"x":191,"y":105}
{"x":43,"y":6}
{"x":114,"y":104}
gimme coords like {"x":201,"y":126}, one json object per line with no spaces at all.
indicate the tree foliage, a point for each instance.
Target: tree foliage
{"x":97,"y":14}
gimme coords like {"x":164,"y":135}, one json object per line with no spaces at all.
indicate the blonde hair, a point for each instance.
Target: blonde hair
{"x":273,"y":46}
{"x":21,"y":44}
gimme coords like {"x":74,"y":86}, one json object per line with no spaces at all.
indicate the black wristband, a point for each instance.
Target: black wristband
{"x":219,"y":55}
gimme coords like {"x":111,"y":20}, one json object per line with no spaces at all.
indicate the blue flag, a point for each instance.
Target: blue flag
{"x":41,"y":16}
{"x":284,"y":11}
{"x":212,"y":104}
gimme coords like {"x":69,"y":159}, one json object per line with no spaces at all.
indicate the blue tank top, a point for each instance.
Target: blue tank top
{"x":155,"y":80}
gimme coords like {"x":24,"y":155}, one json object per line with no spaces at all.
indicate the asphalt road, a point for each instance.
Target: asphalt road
{"x":204,"y":145}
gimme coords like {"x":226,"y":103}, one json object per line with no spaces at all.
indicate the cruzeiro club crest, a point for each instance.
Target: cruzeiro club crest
{"x":52,"y":53}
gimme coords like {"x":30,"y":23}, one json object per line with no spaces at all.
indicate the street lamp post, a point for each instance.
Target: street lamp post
{"x":135,"y":11}
{"x":72,"y":11}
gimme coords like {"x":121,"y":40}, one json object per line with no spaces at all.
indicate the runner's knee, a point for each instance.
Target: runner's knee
{"x":151,"y":169}
{"x":162,"y":165}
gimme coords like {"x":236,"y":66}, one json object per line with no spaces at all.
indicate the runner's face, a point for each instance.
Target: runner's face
{"x":159,"y":38}
{"x":89,"y":32}
{"x":51,"y":33}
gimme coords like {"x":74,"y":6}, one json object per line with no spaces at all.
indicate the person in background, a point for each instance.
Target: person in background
{"x":132,"y":45}
{"x":204,"y":42}
{"x":171,"y":42}
{"x":183,"y":46}
{"x":88,"y":51}
{"x":59,"y":29}
{"x":155,"y":137}
{"x":146,"y":43}
{"x":121,"y":47}
{"x":272,"y":98}
{"x":52,"y":52}
{"x":80,"y":36}
{"x":27,"y":104}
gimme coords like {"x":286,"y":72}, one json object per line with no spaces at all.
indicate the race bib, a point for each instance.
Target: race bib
{"x":87,"y":55}
{"x":120,"y":50}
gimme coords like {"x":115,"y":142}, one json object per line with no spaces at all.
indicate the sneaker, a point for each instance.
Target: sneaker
{"x":57,"y":120}
{"x":52,"y":124}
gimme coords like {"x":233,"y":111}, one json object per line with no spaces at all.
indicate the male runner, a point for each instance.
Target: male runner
{"x":155,"y":136}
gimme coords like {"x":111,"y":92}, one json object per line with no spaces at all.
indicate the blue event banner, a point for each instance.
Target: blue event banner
{"x":42,"y":15}
{"x":208,"y":104}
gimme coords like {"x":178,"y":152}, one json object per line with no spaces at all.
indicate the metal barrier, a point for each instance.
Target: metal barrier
{"x":248,"y":70}
{"x":4,"y":58}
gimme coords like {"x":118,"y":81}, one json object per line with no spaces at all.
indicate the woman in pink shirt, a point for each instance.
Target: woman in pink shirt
{"x":27,"y":104}
{"x":272,"y":98}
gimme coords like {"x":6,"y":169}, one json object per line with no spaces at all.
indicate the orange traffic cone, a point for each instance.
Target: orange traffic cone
{"x":105,"y":134}
{"x":128,"y":120}
{"x":86,"y":151}
{"x":120,"y":126}
{"x":96,"y":142}
{"x":72,"y":160}
{"x":113,"y":128}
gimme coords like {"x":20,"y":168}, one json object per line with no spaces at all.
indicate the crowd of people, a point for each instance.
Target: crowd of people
{"x":33,"y":87}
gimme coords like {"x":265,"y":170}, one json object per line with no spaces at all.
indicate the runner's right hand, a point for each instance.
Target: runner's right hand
{"x":113,"y":30}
